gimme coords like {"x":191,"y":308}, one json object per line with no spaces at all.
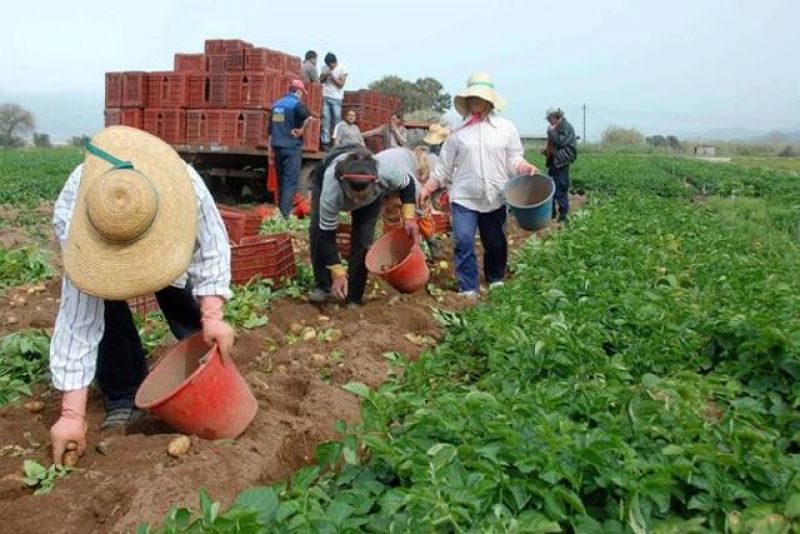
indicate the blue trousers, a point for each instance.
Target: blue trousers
{"x":331,"y":116}
{"x":561,"y":198}
{"x":287,"y":167}
{"x":491,"y":227}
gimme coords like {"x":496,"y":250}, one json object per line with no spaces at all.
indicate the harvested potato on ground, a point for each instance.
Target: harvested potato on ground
{"x":318,"y":360}
{"x":179,"y":446}
{"x":70,"y":459}
{"x":296,"y":328}
{"x":309,"y":333}
{"x":34,"y":406}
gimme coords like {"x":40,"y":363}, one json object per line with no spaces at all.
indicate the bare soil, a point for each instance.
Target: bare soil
{"x":297,"y":384}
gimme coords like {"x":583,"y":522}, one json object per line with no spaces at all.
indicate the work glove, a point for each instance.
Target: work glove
{"x":215,"y":330}
{"x":71,"y":426}
{"x":523,"y":167}
{"x":339,"y":284}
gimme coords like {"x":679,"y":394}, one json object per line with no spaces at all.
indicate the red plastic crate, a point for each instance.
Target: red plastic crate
{"x":168,"y":89}
{"x":260,"y":59}
{"x":270,"y":256}
{"x":215,"y":46}
{"x":207,"y":90}
{"x":252,"y":90}
{"x":216,"y":62}
{"x":168,"y":124}
{"x":244,"y":127}
{"x":311,"y":139}
{"x":234,"y":223}
{"x":235,"y":45}
{"x":134,"y":89}
{"x":313,"y":99}
{"x":113,"y":89}
{"x":144,"y":304}
{"x":133,"y":117}
{"x":203,"y":126}
{"x":113,"y":116}
{"x":292,"y":65}
{"x":251,"y":219}
{"x":189,"y":63}
{"x":234,"y":60}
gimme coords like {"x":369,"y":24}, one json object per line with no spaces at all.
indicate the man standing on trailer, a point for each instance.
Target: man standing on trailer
{"x":308,"y":70}
{"x":287,"y":125}
{"x":333,"y":77}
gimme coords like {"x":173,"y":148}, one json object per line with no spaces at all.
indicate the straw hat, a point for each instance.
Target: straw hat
{"x":479,"y":85}
{"x":134,"y":223}
{"x":436,"y":135}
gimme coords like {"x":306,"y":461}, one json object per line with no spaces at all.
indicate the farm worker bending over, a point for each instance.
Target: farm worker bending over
{"x":477,"y":161}
{"x":131,"y":220}
{"x":287,"y":125}
{"x":352,"y":179}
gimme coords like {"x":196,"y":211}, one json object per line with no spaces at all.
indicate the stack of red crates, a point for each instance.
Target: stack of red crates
{"x":221,"y":97}
{"x":268,"y":256}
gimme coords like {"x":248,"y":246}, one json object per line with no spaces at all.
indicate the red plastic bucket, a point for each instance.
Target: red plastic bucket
{"x":399,"y":260}
{"x":210,"y":400}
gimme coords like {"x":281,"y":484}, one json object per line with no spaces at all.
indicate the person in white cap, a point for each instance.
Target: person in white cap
{"x":133,"y":219}
{"x":477,"y":160}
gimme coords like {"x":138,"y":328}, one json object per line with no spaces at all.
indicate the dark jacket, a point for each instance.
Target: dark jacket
{"x":563,"y":143}
{"x":287,"y":114}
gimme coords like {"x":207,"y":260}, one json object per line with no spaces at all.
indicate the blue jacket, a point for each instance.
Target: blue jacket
{"x":287,"y":114}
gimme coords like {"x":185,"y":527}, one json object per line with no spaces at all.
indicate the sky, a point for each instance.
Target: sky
{"x":689,"y":68}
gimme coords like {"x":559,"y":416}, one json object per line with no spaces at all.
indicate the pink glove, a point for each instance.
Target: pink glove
{"x":215,"y":330}
{"x":523,"y":167}
{"x":71,"y":426}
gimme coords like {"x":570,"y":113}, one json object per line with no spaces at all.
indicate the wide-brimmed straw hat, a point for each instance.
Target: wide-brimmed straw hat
{"x":479,"y":85}
{"x":436,"y":135}
{"x":134,"y":223}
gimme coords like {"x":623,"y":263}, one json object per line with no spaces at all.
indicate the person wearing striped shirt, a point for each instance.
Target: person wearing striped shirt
{"x":116,"y":246}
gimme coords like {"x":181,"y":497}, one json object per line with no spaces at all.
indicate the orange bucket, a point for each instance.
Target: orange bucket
{"x":400,"y":261}
{"x":208,"y":399}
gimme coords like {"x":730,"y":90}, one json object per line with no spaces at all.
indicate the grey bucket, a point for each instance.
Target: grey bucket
{"x":530,"y":200}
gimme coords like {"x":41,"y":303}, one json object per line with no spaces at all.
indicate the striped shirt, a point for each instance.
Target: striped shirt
{"x":80,"y":322}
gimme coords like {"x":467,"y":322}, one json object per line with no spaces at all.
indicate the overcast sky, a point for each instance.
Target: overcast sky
{"x":678,"y":66}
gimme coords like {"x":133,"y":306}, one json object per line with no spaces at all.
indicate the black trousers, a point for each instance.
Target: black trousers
{"x":362,"y":232}
{"x":561,"y":197}
{"x":121,"y":361}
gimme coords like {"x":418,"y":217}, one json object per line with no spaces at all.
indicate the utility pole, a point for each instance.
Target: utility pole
{"x":583,"y":107}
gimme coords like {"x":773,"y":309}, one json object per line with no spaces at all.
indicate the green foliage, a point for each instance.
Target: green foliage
{"x":42,"y":140}
{"x":640,"y":373}
{"x":16,"y":123}
{"x":24,"y":265}
{"x":617,"y":135}
{"x":28,"y":176}
{"x":277,"y":224}
{"x":23,"y":361}
{"x":423,"y":94}
{"x":43,"y":478}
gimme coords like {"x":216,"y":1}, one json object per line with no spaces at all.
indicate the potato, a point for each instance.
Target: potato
{"x":71,"y":458}
{"x":179,"y":446}
{"x":318,"y":360}
{"x":309,"y":333}
{"x":34,"y":406}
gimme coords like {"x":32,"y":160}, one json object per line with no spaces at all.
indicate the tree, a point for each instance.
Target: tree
{"x":673,"y":142}
{"x":42,"y":140}
{"x":16,"y":123}
{"x":657,"y":141}
{"x":616,"y":135}
{"x":424,"y":94}
{"x":78,"y":141}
